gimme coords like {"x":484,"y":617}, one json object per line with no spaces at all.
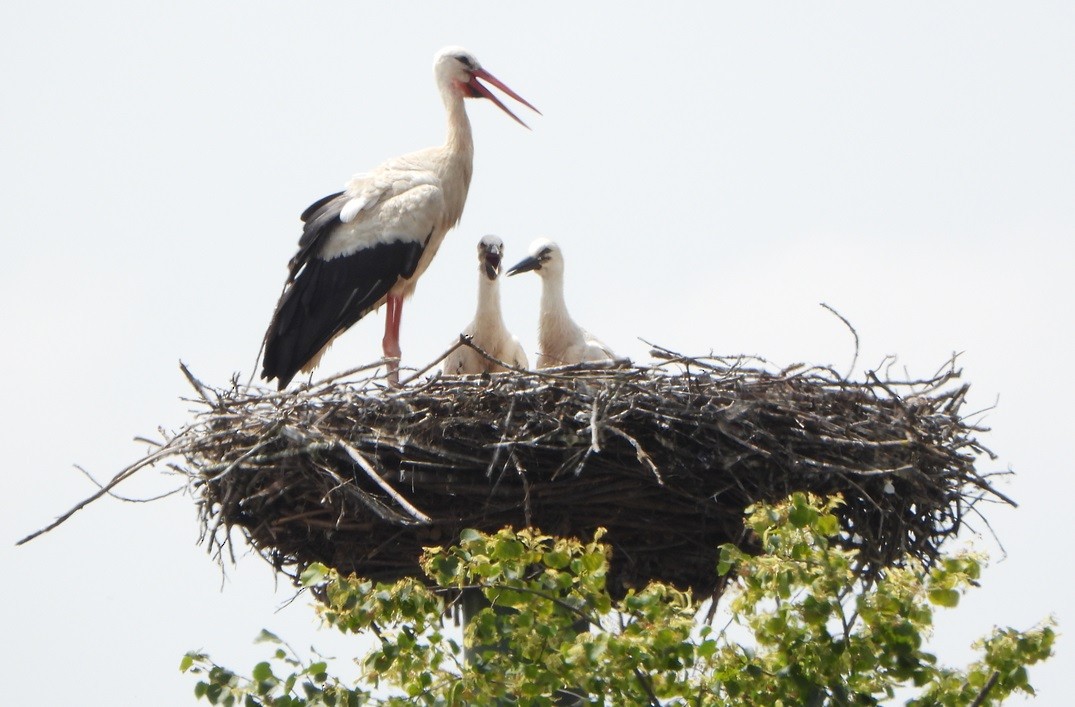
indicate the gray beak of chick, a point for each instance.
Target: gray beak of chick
{"x":525,"y":265}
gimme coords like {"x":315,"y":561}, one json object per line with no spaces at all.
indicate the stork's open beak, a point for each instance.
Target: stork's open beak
{"x":478,"y":89}
{"x":525,"y":265}
{"x":492,"y":259}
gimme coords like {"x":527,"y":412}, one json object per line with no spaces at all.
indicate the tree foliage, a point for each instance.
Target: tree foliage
{"x":803,"y":630}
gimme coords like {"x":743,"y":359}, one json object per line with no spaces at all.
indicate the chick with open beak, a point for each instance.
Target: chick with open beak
{"x":490,"y":252}
{"x":487,"y":331}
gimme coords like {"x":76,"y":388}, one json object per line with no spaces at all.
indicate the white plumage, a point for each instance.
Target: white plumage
{"x":368,"y":244}
{"x":561,"y":342}
{"x":487,"y":330}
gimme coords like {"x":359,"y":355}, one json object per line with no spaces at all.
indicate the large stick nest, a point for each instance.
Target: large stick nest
{"x":666,"y":458}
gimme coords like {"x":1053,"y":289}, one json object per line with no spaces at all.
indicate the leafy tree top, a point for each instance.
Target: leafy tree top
{"x":552,"y":634}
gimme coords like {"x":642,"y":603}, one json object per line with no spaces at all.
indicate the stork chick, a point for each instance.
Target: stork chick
{"x":368,"y":244}
{"x":487,"y":331}
{"x":561,"y":341}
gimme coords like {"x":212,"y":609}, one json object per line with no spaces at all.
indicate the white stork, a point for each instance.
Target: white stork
{"x":561,"y":341}
{"x":487,"y":331}
{"x":368,"y":244}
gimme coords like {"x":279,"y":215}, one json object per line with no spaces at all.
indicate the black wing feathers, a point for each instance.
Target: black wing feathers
{"x":317,"y":205}
{"x":325,"y":297}
{"x":318,"y":221}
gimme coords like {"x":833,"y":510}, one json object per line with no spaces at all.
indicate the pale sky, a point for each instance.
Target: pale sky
{"x":712,"y":171}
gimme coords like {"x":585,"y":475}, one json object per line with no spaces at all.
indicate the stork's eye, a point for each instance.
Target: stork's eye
{"x":545,"y":253}
{"x":465,"y":60}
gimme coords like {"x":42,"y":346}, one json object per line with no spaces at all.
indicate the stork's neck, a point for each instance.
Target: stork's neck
{"x":460,"y":138}
{"x":489,"y":312}
{"x":458,"y":163}
{"x":554,"y":320}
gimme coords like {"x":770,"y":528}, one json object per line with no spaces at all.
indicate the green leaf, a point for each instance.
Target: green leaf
{"x":729,"y":555}
{"x":948,"y":598}
{"x":557,"y":559}
{"x":313,"y":574}
{"x":267,"y":637}
{"x":262,"y":671}
{"x":828,"y":525}
{"x":508,"y":550}
{"x":469,"y":535}
{"x":802,"y":516}
{"x":186,"y":663}
{"x":593,"y":561}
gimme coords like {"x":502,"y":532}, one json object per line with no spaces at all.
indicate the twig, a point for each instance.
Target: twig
{"x":984,"y":692}
{"x":640,"y":453}
{"x":437,"y":360}
{"x":364,"y":464}
{"x":595,"y":430}
{"x":116,"y":480}
{"x":199,"y":386}
{"x":127,"y":499}
{"x":855,"y":358}
{"x":645,"y":682}
{"x":506,"y":424}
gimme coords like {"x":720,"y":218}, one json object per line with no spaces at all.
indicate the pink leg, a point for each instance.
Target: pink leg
{"x":390,"y":343}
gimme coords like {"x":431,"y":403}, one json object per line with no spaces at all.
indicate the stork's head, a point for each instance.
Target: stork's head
{"x":545,"y":259}
{"x":457,"y":70}
{"x":490,"y":252}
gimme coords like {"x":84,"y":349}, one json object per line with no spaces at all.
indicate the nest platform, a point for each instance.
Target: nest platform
{"x":361,"y":477}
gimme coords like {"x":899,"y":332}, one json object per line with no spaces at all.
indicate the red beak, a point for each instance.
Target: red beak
{"x":479,"y":89}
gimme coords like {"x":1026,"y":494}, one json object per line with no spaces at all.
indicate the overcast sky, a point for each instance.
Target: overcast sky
{"x":712,"y":171}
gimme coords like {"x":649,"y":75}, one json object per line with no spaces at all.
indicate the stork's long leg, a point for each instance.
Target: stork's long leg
{"x":390,"y":343}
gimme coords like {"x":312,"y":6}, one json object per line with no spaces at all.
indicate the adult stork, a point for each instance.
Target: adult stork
{"x":561,"y":342}
{"x":368,"y":244}
{"x":487,"y":331}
